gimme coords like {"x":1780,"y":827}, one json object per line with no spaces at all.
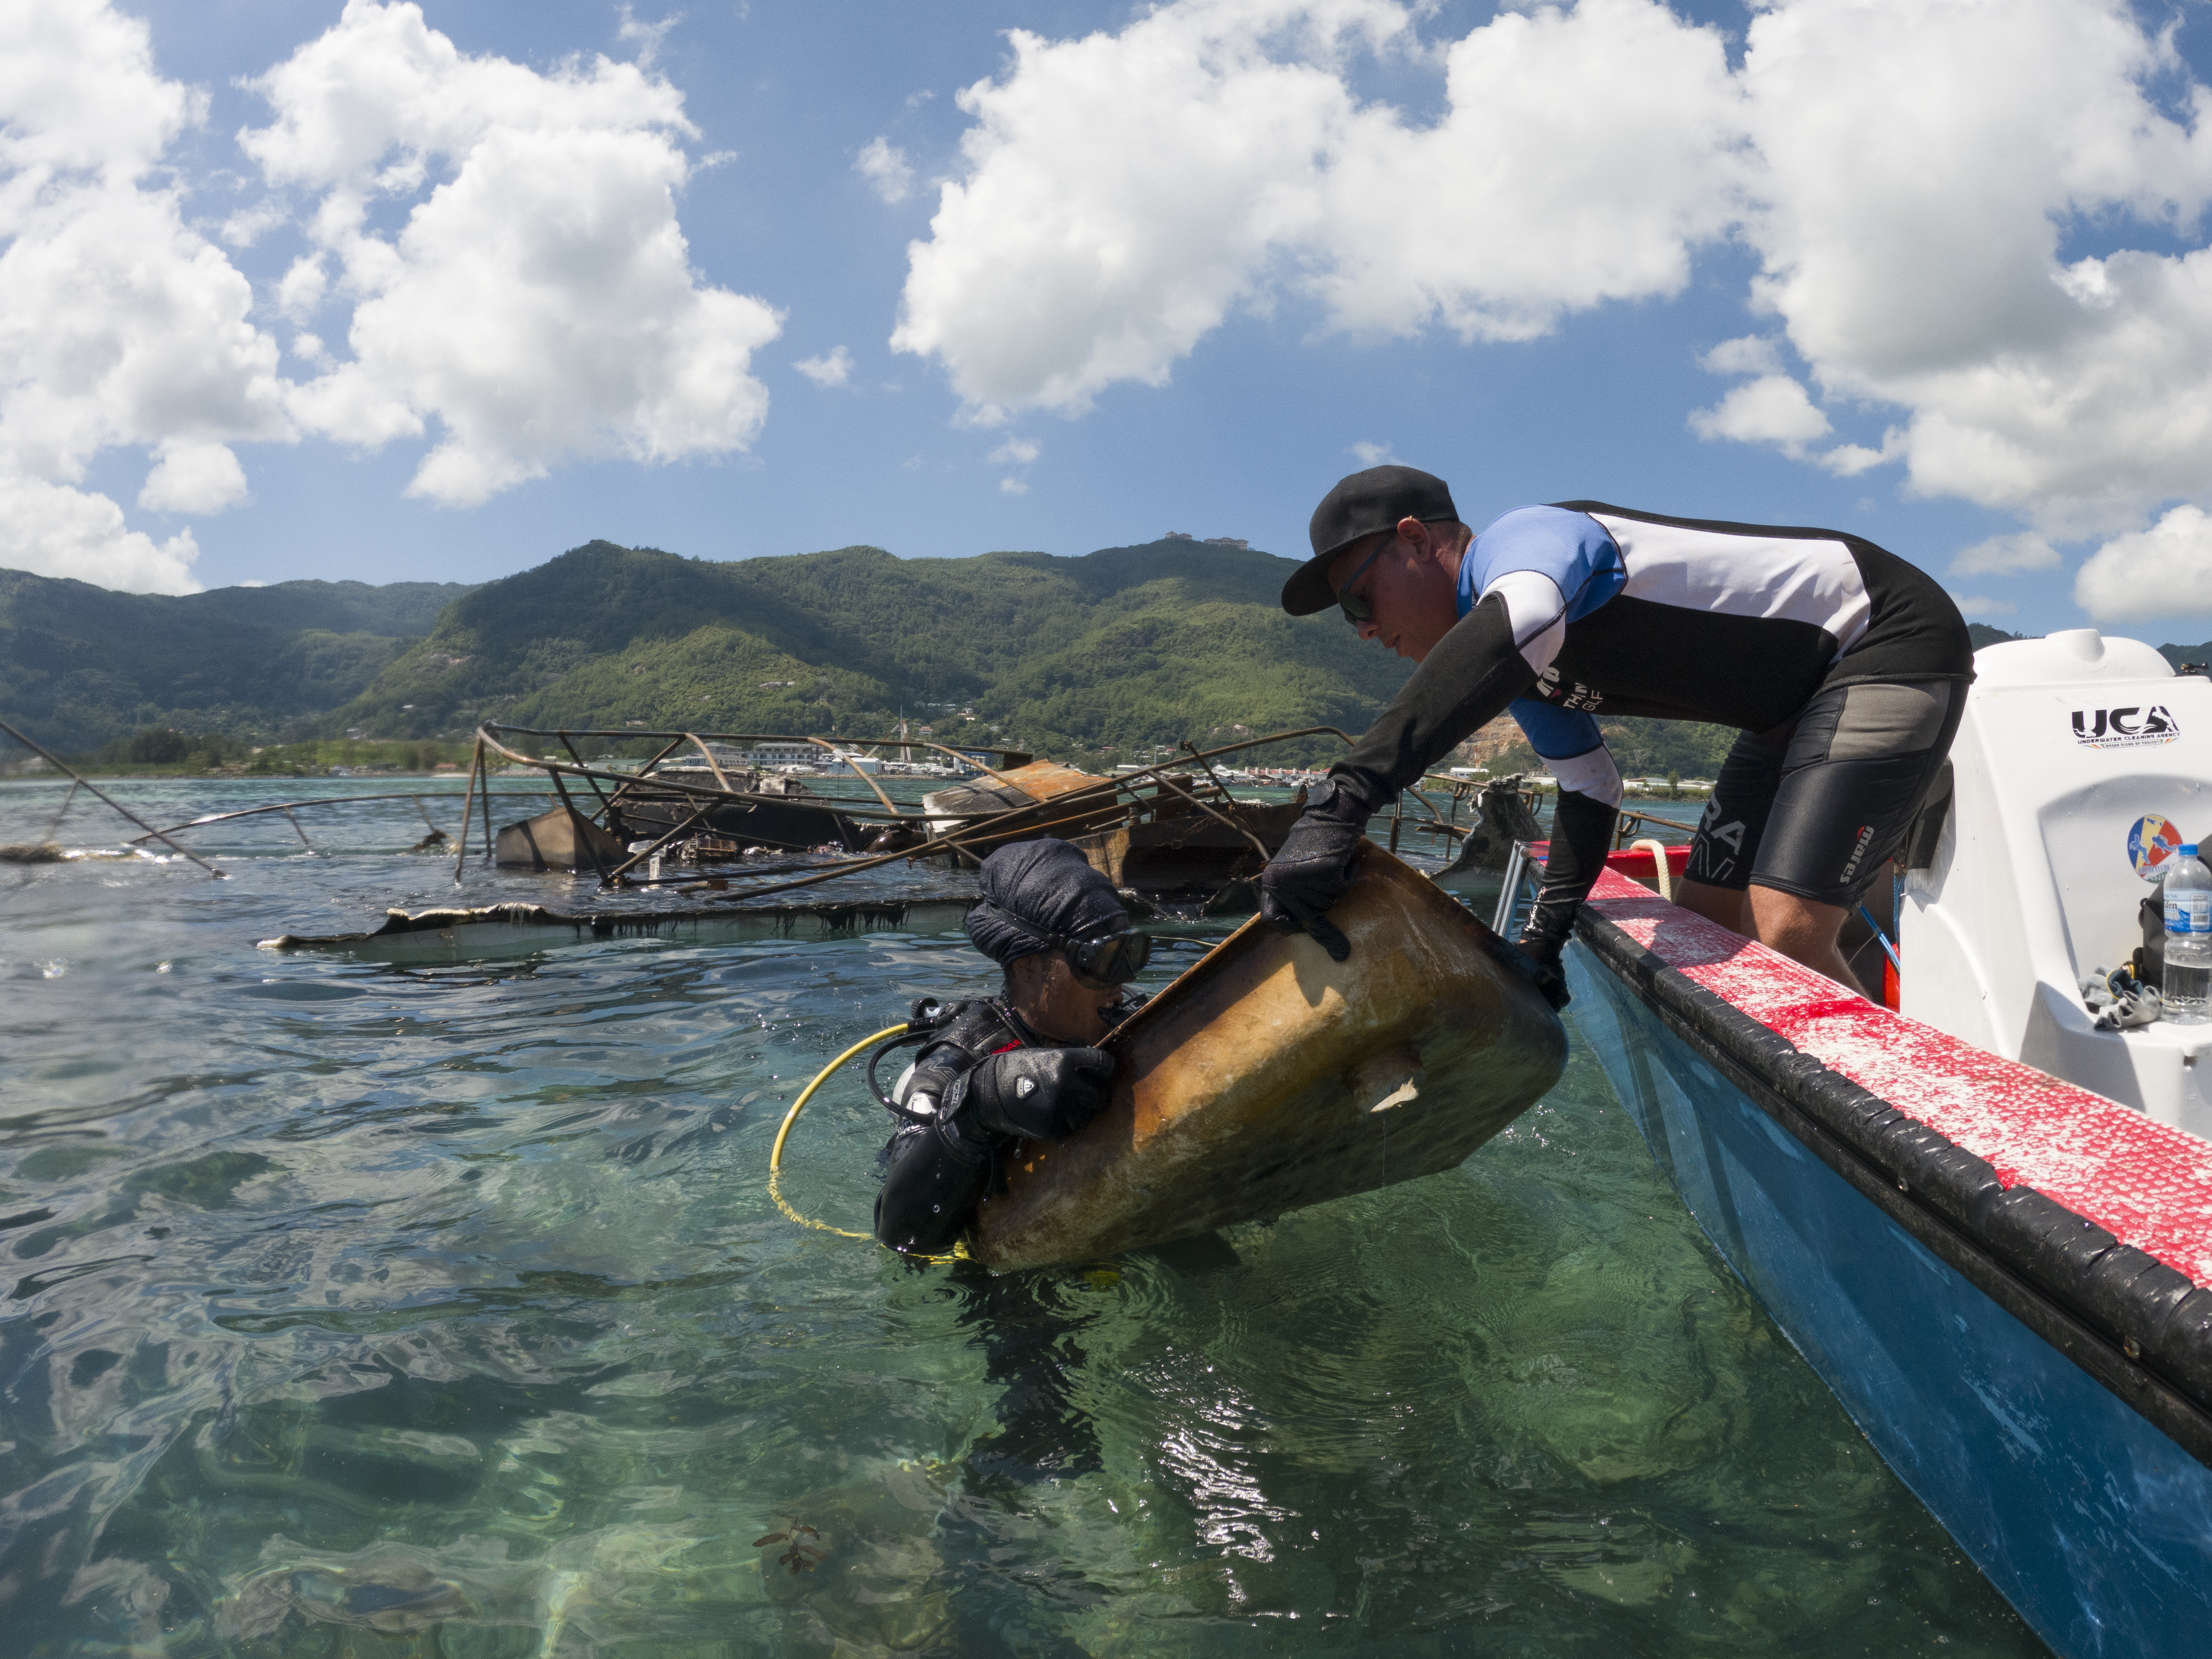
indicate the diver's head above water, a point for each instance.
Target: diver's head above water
{"x":1058,"y":929}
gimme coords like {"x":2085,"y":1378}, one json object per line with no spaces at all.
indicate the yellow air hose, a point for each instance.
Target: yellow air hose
{"x":776,"y":1158}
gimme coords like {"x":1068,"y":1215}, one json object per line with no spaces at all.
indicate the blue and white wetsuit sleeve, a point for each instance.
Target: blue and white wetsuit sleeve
{"x":1532,"y":573}
{"x":1530,"y":561}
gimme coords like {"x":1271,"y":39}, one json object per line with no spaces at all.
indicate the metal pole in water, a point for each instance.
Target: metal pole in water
{"x":461,"y":847}
{"x":52,"y":759}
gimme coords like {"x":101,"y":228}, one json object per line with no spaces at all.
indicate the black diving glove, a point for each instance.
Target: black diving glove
{"x":1315,"y":867}
{"x":1543,"y":955}
{"x":1040,"y":1094}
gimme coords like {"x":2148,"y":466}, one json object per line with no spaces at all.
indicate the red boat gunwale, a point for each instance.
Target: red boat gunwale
{"x":2089,"y":1220}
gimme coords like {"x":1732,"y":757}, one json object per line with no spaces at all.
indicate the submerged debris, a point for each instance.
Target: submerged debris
{"x":44,"y":852}
{"x":801,"y":1556}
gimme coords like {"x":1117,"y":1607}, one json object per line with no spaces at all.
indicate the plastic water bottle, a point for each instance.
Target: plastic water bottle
{"x":2187,"y":991}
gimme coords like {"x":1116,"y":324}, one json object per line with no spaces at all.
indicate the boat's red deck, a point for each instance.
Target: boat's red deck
{"x":2148,"y":1185}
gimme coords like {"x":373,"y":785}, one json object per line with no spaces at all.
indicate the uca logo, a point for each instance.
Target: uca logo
{"x":2125,"y":728}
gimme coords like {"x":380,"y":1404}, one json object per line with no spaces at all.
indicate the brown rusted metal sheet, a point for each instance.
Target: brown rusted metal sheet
{"x":559,"y":840}
{"x":1035,"y":785}
{"x":1268,"y":1078}
{"x":1180,"y":851}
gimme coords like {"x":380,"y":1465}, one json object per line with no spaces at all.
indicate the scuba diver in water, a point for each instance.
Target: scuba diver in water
{"x":1016,"y":1065}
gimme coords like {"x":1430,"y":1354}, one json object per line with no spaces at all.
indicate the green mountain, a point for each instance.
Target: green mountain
{"x":80,"y":666}
{"x":1093,"y":657}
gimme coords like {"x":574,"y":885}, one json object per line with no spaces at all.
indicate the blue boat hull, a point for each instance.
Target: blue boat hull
{"x":2095,"y":1524}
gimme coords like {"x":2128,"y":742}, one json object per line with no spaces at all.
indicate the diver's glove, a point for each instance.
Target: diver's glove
{"x":1542,"y":954}
{"x":1315,"y":867}
{"x":1040,"y":1094}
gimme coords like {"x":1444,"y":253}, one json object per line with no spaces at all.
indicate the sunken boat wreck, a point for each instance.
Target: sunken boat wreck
{"x":1171,"y":836}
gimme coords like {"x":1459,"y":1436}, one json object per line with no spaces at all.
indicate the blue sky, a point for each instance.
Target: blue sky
{"x":1958,"y":250}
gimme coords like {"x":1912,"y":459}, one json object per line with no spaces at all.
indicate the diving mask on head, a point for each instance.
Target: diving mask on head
{"x":1114,"y":958}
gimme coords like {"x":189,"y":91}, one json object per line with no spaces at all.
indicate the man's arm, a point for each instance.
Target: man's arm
{"x":1582,"y":823}
{"x":939,"y":1167}
{"x":1476,"y":671}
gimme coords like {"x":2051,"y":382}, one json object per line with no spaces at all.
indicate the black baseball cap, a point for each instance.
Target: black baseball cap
{"x":1359,"y":505}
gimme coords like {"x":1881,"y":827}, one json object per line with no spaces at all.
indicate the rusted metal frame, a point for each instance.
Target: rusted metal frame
{"x":589,"y":846}
{"x":550,"y":767}
{"x":1258,"y":845}
{"x":54,"y":827}
{"x":461,"y":847}
{"x":941,"y":843}
{"x":792,"y":737}
{"x":1128,"y":780}
{"x":1188,"y":744}
{"x":490,"y":847}
{"x":578,"y":759}
{"x":328,"y":800}
{"x":825,"y":743}
{"x":636,"y":858}
{"x":54,"y":760}
{"x":980,"y":827}
{"x":712,"y":765}
{"x":634,"y":778}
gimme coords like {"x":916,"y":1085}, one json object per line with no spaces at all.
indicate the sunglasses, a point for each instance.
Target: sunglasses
{"x":1356,"y":610}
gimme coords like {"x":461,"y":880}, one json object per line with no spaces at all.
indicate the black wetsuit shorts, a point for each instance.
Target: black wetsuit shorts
{"x":1815,"y":806}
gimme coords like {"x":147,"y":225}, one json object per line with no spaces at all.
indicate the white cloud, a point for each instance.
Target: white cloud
{"x":120,"y":325}
{"x":52,"y":530}
{"x":301,"y":288}
{"x":1772,"y":409}
{"x":193,"y":477}
{"x":539,"y":304}
{"x":1122,"y":194}
{"x":1922,"y":159}
{"x":647,"y":35}
{"x":1012,"y":487}
{"x":885,"y":167}
{"x":1980,"y":604}
{"x":1909,"y":174}
{"x":1752,"y":353}
{"x":835,"y":367}
{"x":2006,"y":555}
{"x":1015,"y":452}
{"x":1371,"y":454}
{"x":2163,"y":571}
{"x":248,"y":225}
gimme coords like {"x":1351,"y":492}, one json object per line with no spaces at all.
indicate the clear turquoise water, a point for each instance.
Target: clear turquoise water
{"x":352,"y":1309}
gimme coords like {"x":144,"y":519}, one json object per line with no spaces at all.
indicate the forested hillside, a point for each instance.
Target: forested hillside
{"x":1090,"y":656}
{"x":1092,"y":659}
{"x":80,"y":666}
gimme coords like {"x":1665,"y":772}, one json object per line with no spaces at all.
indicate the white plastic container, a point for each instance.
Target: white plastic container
{"x":2069,"y":745}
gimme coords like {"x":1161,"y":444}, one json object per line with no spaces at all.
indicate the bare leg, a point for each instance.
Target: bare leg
{"x":1802,"y":931}
{"x":1723,"y":904}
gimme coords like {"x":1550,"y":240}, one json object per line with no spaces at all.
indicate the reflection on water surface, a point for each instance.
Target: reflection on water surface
{"x":361,"y":1309}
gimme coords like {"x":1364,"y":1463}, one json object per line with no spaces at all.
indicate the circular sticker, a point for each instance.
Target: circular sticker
{"x":2151,"y":844}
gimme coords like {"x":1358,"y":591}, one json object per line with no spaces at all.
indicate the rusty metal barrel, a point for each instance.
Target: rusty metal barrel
{"x":1268,"y":1077}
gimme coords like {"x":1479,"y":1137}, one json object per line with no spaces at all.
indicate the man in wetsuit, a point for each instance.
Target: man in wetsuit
{"x":1844,"y":667}
{"x":1017,"y":1066}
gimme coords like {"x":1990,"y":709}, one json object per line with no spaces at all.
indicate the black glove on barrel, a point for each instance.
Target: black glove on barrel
{"x":1040,"y":1094}
{"x":1315,"y":867}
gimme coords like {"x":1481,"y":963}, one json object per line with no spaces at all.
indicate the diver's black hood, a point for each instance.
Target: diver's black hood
{"x":1035,"y":888}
